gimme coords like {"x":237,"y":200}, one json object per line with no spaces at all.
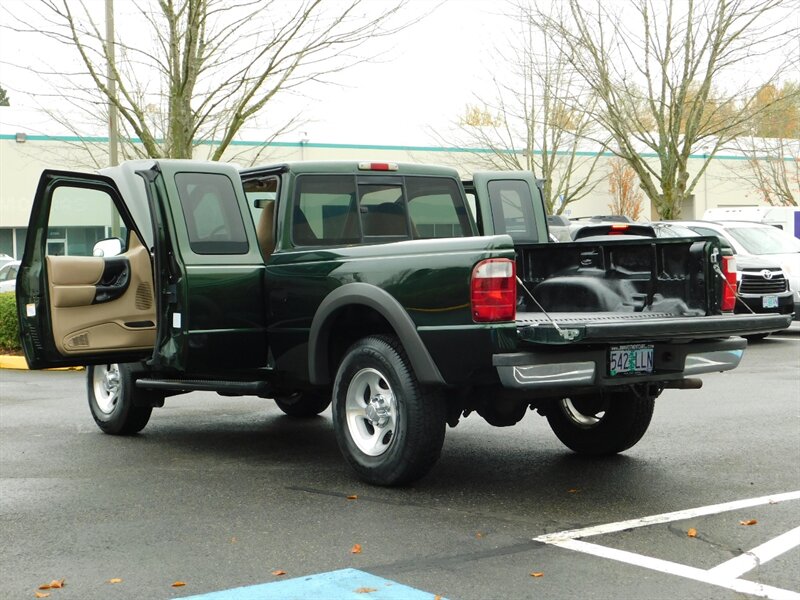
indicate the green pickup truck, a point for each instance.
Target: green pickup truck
{"x":398,"y":293}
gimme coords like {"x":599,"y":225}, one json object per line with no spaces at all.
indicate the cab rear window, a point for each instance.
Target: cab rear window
{"x":346,"y":209}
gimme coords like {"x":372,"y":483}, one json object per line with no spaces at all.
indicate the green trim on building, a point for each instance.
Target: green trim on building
{"x":100,"y":139}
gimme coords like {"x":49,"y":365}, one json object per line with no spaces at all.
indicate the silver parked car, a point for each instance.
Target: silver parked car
{"x":8,"y":276}
{"x":753,"y":242}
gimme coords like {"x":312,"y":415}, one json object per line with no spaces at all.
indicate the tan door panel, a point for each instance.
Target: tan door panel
{"x":74,"y":270}
{"x":80,"y":327}
{"x":64,"y":296}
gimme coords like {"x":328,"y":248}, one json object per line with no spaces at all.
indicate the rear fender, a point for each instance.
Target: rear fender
{"x":387,"y":306}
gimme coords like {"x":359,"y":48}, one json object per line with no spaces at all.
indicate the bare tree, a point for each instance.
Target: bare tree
{"x":204,"y":68}
{"x":538,"y":118}
{"x":772,"y":150}
{"x":625,"y":192}
{"x":659,"y":73}
{"x":773,"y":168}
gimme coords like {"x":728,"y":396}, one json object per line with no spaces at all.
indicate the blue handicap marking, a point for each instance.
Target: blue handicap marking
{"x":345,"y":584}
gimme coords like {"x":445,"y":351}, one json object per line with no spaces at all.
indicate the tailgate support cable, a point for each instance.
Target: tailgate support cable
{"x":541,"y":308}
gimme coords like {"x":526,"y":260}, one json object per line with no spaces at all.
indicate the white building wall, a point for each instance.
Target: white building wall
{"x":21,"y":164}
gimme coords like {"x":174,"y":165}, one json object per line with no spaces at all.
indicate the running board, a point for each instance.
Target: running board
{"x":225,"y":388}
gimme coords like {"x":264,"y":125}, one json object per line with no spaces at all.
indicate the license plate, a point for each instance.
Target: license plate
{"x":769,"y":302}
{"x":630,"y":360}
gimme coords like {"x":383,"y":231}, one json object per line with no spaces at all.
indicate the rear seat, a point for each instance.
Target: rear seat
{"x":264,"y":229}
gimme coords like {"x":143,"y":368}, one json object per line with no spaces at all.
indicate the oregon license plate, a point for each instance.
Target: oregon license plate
{"x":769,"y":301}
{"x":630,"y":360}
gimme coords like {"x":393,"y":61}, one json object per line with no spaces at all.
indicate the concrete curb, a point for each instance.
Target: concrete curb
{"x":19,"y":363}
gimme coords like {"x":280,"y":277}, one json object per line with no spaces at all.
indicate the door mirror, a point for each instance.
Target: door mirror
{"x":107,"y":247}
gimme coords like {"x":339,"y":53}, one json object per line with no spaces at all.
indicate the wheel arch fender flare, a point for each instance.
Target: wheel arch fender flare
{"x":387,"y":306}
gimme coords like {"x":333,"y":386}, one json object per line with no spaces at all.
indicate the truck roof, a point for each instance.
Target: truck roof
{"x":340,"y":167}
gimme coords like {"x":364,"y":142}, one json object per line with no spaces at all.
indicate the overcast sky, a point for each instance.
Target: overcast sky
{"x":428,"y":75}
{"x":425,"y":79}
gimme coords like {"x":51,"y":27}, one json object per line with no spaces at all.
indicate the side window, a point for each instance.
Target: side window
{"x":324,"y":211}
{"x":436,"y":208}
{"x":512,"y":210}
{"x":724,"y":243}
{"x":79,"y":218}
{"x":383,"y":212}
{"x":212,"y":214}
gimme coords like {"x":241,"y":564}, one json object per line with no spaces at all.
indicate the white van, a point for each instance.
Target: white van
{"x":782,"y":217}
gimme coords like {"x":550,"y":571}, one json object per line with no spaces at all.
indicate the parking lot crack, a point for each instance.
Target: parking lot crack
{"x":704,"y":538}
{"x":471,"y":514}
{"x":426,"y":563}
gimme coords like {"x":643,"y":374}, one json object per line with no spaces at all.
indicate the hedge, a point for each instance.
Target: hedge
{"x":9,"y":330}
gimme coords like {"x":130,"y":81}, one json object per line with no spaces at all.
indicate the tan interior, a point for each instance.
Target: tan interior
{"x":266,"y":239}
{"x":80,"y":327}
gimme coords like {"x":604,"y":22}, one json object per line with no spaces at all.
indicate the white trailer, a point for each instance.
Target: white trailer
{"x":782,"y":217}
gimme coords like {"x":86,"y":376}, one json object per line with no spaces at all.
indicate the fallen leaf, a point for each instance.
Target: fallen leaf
{"x":437,"y":597}
{"x":479,"y":535}
{"x":366,"y":590}
{"x":748,"y":522}
{"x":537,"y":574}
{"x":57,"y":584}
{"x":44,"y":586}
{"x":234,"y":540}
{"x":115,"y":580}
{"x":356,"y":549}
{"x":41,"y":594}
{"x":279,"y":572}
{"x":353,"y":497}
{"x":178,"y":584}
{"x":692,"y":532}
{"x":573,"y":491}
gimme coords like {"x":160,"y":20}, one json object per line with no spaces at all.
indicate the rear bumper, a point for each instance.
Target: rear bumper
{"x":589,"y":367}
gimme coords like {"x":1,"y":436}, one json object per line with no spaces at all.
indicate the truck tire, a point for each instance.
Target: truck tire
{"x":601,"y":424}
{"x":388,"y":428}
{"x":302,"y":405}
{"x":756,"y":337}
{"x":112,"y":396}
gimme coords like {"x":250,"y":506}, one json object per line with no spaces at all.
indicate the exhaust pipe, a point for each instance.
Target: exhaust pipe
{"x":689,"y":383}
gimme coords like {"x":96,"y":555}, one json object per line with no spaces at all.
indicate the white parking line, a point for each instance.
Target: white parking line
{"x":679,"y":515}
{"x":725,"y":575}
{"x":748,"y":561}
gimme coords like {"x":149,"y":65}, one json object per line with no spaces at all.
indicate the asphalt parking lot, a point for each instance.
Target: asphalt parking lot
{"x":220,"y":493}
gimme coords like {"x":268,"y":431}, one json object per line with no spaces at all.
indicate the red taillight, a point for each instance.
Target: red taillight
{"x":494,"y":291}
{"x":377,"y":166}
{"x":618,"y":229}
{"x":729,"y":283}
